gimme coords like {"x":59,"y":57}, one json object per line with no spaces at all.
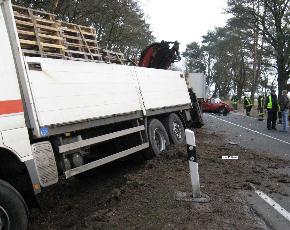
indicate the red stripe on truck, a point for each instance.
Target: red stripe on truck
{"x":11,"y":106}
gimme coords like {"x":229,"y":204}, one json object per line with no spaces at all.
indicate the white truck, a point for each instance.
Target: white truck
{"x":197,"y":81}
{"x":64,"y":117}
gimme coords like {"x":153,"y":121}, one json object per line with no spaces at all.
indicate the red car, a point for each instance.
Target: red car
{"x":215,"y":105}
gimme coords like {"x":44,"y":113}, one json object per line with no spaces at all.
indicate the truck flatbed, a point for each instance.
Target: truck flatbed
{"x":65,"y":91}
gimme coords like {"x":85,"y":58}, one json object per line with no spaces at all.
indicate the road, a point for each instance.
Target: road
{"x":252,"y":134}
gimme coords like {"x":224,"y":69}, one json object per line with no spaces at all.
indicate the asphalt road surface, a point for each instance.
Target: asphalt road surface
{"x":250,"y":133}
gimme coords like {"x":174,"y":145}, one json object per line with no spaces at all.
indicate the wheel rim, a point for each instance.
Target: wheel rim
{"x":177,"y":130}
{"x":4,"y":219}
{"x":159,"y":139}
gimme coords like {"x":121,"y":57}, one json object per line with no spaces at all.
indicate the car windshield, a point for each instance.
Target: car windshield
{"x":215,"y":100}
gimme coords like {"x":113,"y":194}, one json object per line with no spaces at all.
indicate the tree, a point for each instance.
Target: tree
{"x":270,"y":19}
{"x":239,"y":57}
{"x":227,"y":65}
{"x":252,"y":50}
{"x":194,"y":58}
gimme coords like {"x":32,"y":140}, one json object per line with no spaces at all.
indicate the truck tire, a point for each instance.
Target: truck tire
{"x":175,"y":129}
{"x":13,"y":210}
{"x":158,"y":136}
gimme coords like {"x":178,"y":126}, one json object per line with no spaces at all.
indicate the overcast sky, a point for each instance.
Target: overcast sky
{"x":184,"y":20}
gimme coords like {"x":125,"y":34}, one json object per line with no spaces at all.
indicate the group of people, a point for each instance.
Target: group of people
{"x":273,"y":107}
{"x":247,"y":103}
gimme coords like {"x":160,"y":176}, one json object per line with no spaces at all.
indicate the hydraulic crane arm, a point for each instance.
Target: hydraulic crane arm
{"x":160,"y":55}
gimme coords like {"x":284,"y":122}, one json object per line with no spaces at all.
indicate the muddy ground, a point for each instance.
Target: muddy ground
{"x":127,"y":195}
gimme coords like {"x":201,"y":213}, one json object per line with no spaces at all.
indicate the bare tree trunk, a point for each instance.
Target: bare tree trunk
{"x":109,"y":39}
{"x":255,"y":75}
{"x":242,"y":78}
{"x":282,"y":76}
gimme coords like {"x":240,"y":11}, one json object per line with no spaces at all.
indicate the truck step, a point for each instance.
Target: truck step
{"x":102,"y":138}
{"x":105,"y":160}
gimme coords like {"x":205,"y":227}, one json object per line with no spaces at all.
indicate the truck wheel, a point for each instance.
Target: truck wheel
{"x":158,"y":136}
{"x":13,"y":211}
{"x":175,"y":129}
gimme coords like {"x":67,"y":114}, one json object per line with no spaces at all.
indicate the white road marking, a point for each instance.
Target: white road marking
{"x":274,"y":205}
{"x":243,"y":115}
{"x":254,"y":131}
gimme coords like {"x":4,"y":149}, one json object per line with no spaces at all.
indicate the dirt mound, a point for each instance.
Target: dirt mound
{"x":128,"y":196}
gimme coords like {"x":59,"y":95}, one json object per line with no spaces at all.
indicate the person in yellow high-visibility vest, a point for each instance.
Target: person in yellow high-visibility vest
{"x":261,"y":103}
{"x":272,"y":106}
{"x":247,"y":105}
{"x":235,"y":101}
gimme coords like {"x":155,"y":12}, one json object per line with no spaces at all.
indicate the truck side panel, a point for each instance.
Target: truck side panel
{"x":162,"y":88}
{"x":11,"y":121}
{"x":17,"y":140}
{"x":67,"y":91}
{"x":13,"y":131}
{"x":10,"y":98}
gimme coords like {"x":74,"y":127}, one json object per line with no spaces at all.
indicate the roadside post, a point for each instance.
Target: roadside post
{"x":196,"y":195}
{"x":193,"y":165}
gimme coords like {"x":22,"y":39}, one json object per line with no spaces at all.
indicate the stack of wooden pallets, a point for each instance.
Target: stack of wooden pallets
{"x":42,"y":35}
{"x":39,"y":33}
{"x":80,"y":42}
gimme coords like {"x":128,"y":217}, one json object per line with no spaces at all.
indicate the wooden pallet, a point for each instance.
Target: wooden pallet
{"x":113,"y":57}
{"x":42,"y":35}
{"x":39,"y":33}
{"x":80,"y":42}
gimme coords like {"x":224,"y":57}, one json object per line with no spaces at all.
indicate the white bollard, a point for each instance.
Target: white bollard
{"x":196,"y":195}
{"x":193,"y":165}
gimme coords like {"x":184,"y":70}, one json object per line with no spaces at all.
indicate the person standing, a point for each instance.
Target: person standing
{"x":271,"y":104}
{"x":235,"y":102}
{"x":261,"y":101}
{"x":247,"y":105}
{"x":284,"y":108}
{"x":279,"y":117}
